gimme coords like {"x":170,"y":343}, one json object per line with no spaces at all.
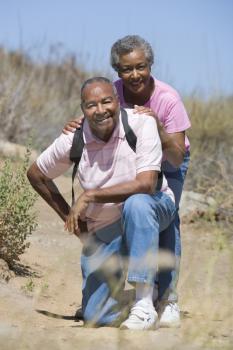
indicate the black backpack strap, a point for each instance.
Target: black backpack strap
{"x":129,"y":133}
{"x":76,"y":154}
{"x":159,"y":181}
{"x":132,"y":141}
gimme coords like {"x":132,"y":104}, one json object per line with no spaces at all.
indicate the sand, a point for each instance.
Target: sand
{"x":51,"y":281}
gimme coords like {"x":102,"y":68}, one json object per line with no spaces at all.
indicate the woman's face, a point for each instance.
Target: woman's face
{"x":134,"y":70}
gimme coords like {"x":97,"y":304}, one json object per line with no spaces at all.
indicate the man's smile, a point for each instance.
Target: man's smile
{"x":102,"y":119}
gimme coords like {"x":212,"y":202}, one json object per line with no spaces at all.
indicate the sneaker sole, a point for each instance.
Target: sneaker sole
{"x":151,"y":328}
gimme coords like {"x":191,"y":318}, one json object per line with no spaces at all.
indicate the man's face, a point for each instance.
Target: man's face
{"x":101,"y":107}
{"x":134,"y":70}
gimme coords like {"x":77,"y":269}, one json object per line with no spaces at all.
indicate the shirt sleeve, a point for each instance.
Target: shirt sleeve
{"x":176,"y":118}
{"x":149,"y":149}
{"x":55,"y":161}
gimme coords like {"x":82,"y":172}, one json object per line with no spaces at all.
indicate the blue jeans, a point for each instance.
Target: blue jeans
{"x":103,"y":260}
{"x":170,"y":238}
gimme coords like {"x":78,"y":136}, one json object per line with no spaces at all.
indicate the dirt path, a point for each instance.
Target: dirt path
{"x":205,"y":291}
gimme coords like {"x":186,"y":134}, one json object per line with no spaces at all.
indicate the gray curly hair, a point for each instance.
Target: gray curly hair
{"x":128,"y":44}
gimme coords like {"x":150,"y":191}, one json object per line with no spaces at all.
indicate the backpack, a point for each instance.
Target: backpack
{"x":78,"y":145}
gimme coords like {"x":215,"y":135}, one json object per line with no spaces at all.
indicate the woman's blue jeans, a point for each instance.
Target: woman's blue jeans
{"x":134,"y":238}
{"x":170,"y":238}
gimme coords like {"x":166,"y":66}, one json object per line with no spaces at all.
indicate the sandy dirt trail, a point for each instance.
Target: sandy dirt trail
{"x":205,"y":291}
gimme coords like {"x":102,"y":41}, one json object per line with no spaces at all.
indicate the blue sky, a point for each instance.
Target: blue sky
{"x":192,"y":39}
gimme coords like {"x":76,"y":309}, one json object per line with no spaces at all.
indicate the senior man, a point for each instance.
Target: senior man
{"x":120,"y":208}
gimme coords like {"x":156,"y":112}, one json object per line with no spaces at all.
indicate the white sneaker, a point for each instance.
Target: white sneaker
{"x":170,"y":315}
{"x":142,"y":317}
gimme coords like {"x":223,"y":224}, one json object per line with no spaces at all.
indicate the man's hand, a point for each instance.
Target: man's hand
{"x":76,"y":213}
{"x":72,"y":125}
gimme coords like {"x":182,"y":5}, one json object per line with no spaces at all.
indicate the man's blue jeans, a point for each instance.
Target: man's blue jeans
{"x":170,"y":238}
{"x":135,"y":237}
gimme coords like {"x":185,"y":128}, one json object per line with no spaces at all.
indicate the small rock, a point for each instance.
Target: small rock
{"x":193,"y":202}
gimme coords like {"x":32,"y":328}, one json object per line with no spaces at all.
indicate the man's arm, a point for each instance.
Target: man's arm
{"x":48,"y":191}
{"x":145,"y":182}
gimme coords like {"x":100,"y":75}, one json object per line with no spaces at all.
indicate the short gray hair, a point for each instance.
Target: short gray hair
{"x":98,"y":80}
{"x":128,"y":44}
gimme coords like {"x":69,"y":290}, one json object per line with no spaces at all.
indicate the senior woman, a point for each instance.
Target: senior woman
{"x":132,"y":58}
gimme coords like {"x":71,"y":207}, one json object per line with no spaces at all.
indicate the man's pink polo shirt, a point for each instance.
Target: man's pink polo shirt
{"x":105,"y":164}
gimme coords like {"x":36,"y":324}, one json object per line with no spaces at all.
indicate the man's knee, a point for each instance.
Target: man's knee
{"x":137,"y":203}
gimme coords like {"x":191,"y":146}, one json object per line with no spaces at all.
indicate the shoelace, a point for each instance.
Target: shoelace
{"x":138,"y":313}
{"x":172,"y":305}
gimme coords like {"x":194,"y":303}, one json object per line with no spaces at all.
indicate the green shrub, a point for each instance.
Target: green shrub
{"x":17,"y":220}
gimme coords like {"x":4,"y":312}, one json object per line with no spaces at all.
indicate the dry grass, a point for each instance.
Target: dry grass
{"x":211,"y":169}
{"x":37,"y":97}
{"x":211,"y":137}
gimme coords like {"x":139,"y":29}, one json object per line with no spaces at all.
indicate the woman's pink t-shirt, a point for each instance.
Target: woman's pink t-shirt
{"x":167,"y":105}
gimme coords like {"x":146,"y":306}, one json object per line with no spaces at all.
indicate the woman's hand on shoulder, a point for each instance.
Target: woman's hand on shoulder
{"x":72,"y":125}
{"x":148,"y":111}
{"x":144,"y":110}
